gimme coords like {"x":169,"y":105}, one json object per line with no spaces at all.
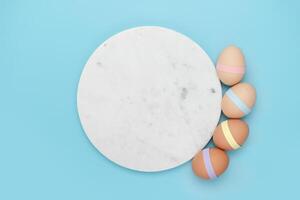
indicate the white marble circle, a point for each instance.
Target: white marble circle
{"x":149,"y":98}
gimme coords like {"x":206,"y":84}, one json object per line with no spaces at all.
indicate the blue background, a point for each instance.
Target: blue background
{"x":44,"y":44}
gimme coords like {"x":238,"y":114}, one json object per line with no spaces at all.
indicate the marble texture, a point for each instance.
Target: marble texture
{"x":149,"y":98}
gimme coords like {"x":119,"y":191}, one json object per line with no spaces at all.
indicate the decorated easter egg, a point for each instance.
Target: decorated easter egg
{"x":231,"y":134}
{"x":238,"y":100}
{"x":231,"y":65}
{"x":210,"y":163}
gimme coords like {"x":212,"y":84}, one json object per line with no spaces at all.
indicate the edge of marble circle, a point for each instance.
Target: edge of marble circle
{"x":84,"y":129}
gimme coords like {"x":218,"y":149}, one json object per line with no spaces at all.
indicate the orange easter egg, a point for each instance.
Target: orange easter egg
{"x":231,"y":134}
{"x":238,"y":100}
{"x":231,"y":65}
{"x":210,"y":163}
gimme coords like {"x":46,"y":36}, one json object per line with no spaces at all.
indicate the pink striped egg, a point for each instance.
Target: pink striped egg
{"x":231,"y":65}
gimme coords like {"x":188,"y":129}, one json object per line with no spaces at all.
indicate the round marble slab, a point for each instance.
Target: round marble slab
{"x":149,"y":98}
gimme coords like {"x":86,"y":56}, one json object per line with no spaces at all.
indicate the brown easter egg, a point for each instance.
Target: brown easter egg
{"x":231,"y":65}
{"x":231,"y":134}
{"x":238,"y":100}
{"x":210,"y":163}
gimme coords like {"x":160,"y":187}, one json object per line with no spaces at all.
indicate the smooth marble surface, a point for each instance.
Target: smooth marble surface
{"x":149,"y":98}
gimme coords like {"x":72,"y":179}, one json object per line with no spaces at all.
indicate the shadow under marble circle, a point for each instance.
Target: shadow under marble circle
{"x":149,"y":98}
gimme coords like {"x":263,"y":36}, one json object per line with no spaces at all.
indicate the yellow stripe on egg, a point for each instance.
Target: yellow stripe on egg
{"x":228,"y":135}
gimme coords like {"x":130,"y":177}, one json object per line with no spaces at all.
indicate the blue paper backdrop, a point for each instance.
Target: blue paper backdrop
{"x":44,"y":44}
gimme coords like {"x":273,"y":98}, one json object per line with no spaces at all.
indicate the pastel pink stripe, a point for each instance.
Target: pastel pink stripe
{"x":231,"y":69}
